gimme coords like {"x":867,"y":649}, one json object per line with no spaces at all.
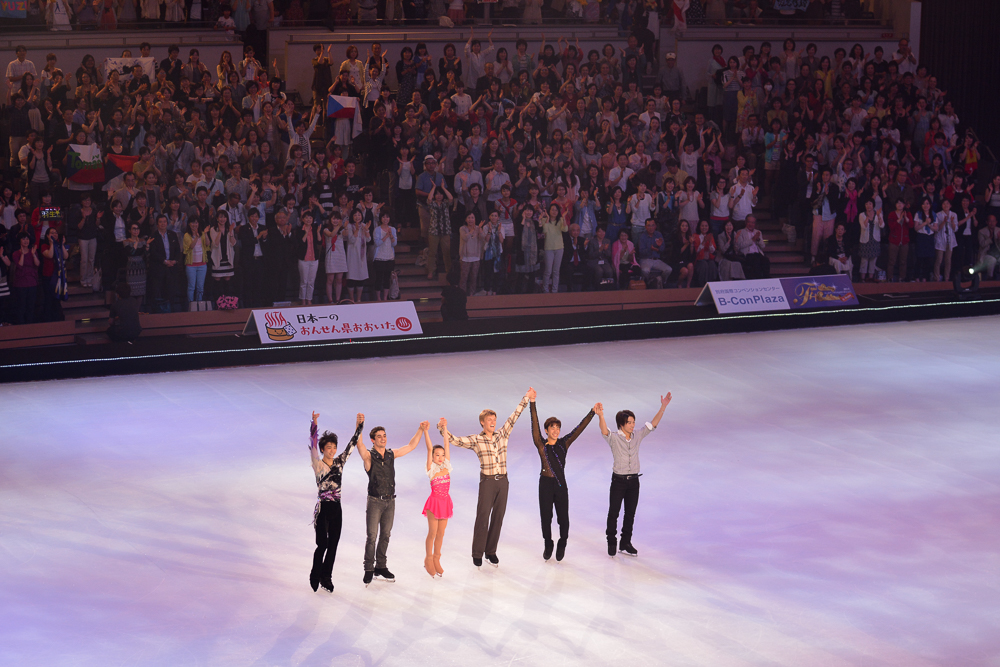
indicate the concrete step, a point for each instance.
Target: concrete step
{"x":785,"y":270}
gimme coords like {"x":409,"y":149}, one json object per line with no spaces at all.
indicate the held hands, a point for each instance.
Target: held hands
{"x":361,"y":419}
{"x":532,"y":394}
{"x":442,"y":424}
{"x":599,"y":409}
{"x":425,"y":426}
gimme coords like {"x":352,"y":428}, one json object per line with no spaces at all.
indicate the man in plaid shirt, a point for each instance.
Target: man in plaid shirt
{"x":491,"y":448}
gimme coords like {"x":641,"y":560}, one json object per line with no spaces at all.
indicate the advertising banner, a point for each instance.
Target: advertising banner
{"x":13,"y":9}
{"x":308,"y":323}
{"x":744,"y":296}
{"x":787,"y":5}
{"x":819,"y":291}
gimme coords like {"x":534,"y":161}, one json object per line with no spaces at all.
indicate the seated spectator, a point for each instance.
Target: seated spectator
{"x":839,"y":251}
{"x":703,"y":244}
{"x":623,"y":260}
{"x":730,"y":267}
{"x":649,"y":249}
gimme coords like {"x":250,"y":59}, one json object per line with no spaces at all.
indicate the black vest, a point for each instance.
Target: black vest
{"x":382,"y":474}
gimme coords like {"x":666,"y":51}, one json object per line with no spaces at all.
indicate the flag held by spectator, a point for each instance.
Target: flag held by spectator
{"x":349,"y":108}
{"x":84,"y":164}
{"x":115,"y":168}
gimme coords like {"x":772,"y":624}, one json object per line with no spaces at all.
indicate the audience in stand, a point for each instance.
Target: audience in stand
{"x":514,"y":170}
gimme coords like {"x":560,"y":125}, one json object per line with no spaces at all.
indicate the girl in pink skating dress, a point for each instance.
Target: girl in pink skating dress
{"x":438,"y":508}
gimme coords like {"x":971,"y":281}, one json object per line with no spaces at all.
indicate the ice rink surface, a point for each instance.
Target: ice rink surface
{"x":824,"y":497}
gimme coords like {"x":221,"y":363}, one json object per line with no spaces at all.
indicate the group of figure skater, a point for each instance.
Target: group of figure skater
{"x":490,"y":446}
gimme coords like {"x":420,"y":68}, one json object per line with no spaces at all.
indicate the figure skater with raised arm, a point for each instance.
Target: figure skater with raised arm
{"x":380,"y":464}
{"x":625,"y":473}
{"x":438,"y":508}
{"x":491,"y":447}
{"x":327,"y":517}
{"x":552,"y":489}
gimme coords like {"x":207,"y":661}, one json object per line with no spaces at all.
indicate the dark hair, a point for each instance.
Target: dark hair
{"x":436,"y":447}
{"x":326,"y":439}
{"x":622,"y":417}
{"x":371,"y":434}
{"x":550,"y":421}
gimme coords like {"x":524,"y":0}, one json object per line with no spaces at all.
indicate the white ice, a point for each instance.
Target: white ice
{"x":824,"y":497}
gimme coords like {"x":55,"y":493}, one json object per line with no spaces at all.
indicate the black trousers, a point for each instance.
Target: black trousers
{"x":252,"y":277}
{"x":623,"y":488}
{"x":328,"y":525}
{"x":552,"y":493}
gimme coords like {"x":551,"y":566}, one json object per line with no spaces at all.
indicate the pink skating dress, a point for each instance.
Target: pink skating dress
{"x":439,"y":502}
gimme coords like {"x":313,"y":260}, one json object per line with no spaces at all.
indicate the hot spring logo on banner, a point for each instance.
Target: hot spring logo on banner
{"x":278,"y":327}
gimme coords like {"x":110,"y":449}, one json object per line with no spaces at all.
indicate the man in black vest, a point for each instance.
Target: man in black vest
{"x":380,"y":466}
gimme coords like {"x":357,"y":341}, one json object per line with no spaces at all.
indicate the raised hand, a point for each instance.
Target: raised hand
{"x":425,"y":425}
{"x":599,"y":409}
{"x":665,"y":400}
{"x":442,"y":424}
{"x":361,"y":419}
{"x":532,"y":394}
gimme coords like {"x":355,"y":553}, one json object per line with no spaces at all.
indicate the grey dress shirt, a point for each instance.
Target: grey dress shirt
{"x":626,"y":452}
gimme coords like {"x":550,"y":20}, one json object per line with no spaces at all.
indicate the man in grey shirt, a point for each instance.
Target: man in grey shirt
{"x":625,"y":475}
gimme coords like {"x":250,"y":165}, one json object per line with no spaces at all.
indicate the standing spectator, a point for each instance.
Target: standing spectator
{"x":470,"y":252}
{"x":553,"y":225}
{"x":308,"y":242}
{"x":17,"y":68}
{"x":165,"y":263}
{"x":358,"y":236}
{"x":750,"y":246}
{"x":385,"y":256}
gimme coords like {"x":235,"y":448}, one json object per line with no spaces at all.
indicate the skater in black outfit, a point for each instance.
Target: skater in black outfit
{"x":327,"y":517}
{"x":380,"y":464}
{"x":552,"y":488}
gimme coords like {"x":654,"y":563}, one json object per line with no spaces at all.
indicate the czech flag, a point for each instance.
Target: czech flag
{"x":341,"y":106}
{"x":84,"y":164}
{"x":115,"y":168}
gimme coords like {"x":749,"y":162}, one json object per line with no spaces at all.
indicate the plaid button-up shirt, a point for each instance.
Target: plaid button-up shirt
{"x":491,"y":450}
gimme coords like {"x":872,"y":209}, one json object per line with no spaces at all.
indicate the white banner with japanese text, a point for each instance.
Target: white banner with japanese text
{"x":743,"y":296}
{"x":308,"y":323}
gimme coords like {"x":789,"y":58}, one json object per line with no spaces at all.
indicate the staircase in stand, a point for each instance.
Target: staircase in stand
{"x":787,"y":259}
{"x":413,"y":283}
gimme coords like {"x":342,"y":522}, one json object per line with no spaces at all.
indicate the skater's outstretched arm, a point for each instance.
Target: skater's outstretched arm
{"x":414,"y":441}
{"x":599,"y":409}
{"x":314,"y":438}
{"x":466,"y":442}
{"x":430,"y":448}
{"x":354,"y":440}
{"x":508,"y":425}
{"x":536,"y":432}
{"x":366,"y":456}
{"x":575,"y":433}
{"x":664,"y":402}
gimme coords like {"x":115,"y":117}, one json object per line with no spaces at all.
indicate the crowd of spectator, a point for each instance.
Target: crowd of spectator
{"x":517,"y":169}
